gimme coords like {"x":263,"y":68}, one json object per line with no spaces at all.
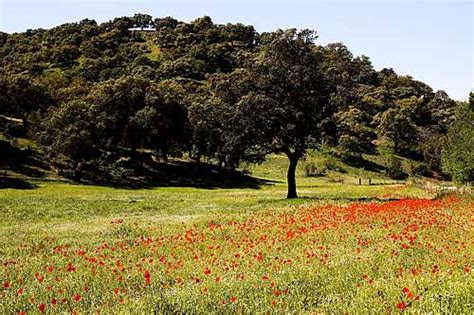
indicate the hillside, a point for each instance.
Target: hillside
{"x":105,"y":103}
{"x":154,"y":166}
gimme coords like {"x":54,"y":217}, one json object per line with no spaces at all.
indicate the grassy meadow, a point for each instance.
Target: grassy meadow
{"x":339,"y":248}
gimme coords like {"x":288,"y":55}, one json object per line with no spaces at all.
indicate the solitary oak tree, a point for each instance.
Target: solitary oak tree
{"x":290,"y":95}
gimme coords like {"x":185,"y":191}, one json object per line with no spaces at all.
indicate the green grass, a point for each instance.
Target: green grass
{"x":72,"y":211}
{"x":52,"y":202}
{"x":35,"y":222}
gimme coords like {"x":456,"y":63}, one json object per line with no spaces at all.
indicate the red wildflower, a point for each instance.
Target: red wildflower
{"x":71,"y":268}
{"x":21,"y":313}
{"x":41,"y":307}
{"x":207,"y":271}
{"x":38,"y":277}
{"x":6,"y":285}
{"x":265,"y":277}
{"x":401,"y":305}
{"x":147,"y":277}
{"x":406,"y":290}
{"x":77,"y":297}
{"x":20,"y":291}
{"x":54,"y":301}
{"x":233,"y":299}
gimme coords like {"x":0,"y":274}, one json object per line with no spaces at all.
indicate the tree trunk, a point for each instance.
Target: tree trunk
{"x":291,"y":178}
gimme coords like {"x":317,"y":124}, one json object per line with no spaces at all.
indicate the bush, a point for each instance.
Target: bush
{"x":312,"y":169}
{"x":394,"y":168}
{"x":320,"y":167}
{"x":421,"y":169}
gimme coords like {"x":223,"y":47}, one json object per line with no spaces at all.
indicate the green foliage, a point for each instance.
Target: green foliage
{"x":321,"y":165}
{"x":290,"y":95}
{"x":221,"y":93}
{"x":458,"y":156}
{"x":394,"y":168}
{"x":354,"y":135}
{"x":312,"y":168}
{"x":393,"y":164}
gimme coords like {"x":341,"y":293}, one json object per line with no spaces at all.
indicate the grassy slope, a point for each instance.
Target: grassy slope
{"x":52,"y":202}
{"x":77,"y":211}
{"x":33,"y":221}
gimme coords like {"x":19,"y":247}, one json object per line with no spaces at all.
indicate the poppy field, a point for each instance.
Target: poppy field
{"x":404,"y":255}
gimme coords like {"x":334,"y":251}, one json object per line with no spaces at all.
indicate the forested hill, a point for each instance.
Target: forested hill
{"x":101,"y":94}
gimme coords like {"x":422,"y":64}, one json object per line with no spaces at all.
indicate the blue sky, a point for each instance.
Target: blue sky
{"x":429,"y":40}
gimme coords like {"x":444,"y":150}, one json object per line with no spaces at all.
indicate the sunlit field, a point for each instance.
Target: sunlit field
{"x":321,"y":162}
{"x":72,"y":248}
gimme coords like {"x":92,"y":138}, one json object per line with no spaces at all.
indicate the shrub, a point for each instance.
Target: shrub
{"x":312,"y":169}
{"x":321,"y":166}
{"x":394,"y":168}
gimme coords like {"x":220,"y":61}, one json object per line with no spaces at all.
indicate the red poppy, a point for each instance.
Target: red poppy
{"x":233,"y":299}
{"x":77,"y":297}
{"x":207,"y":271}
{"x":401,"y":305}
{"x":54,"y":301}
{"x":38,"y":277}
{"x":147,"y":277}
{"x":41,"y":307}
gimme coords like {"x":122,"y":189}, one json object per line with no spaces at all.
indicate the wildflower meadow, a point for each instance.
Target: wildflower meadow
{"x":407,"y":255}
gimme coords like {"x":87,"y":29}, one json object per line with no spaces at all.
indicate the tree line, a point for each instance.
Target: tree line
{"x":95,"y":94}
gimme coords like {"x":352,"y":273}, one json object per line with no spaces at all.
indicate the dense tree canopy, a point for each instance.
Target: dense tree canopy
{"x":95,"y":93}
{"x":458,"y":157}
